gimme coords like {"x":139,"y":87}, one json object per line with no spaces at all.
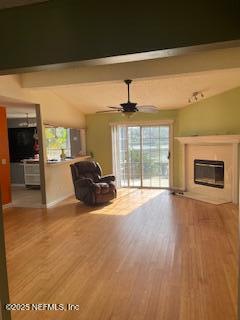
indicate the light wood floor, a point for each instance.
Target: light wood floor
{"x":148,"y":255}
{"x":26,"y":198}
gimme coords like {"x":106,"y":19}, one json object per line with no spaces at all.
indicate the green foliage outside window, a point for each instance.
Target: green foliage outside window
{"x":57,"y":138}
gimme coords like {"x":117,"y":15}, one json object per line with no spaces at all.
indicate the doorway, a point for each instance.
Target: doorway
{"x":142,"y":155}
{"x":22,"y":162}
{"x":24,"y":156}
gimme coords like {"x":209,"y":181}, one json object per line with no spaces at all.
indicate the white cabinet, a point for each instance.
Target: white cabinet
{"x":31,"y":172}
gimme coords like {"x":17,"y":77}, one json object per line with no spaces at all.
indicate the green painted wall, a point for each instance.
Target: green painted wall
{"x":216,"y":115}
{"x":219,"y":114}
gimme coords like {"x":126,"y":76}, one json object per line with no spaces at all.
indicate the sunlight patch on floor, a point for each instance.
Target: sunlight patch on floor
{"x":127,"y":201}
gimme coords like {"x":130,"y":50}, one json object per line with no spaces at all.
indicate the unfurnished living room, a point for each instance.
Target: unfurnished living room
{"x":119,"y":160}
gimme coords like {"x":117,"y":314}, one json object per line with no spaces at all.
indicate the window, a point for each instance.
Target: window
{"x":57,"y":139}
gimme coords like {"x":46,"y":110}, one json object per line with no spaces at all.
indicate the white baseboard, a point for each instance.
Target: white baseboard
{"x":48,"y":205}
{"x":205,"y":198}
{"x":181,"y":189}
{"x":8,"y":205}
{"x":53,"y":203}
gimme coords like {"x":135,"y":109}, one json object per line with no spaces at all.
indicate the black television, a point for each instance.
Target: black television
{"x":21,"y":143}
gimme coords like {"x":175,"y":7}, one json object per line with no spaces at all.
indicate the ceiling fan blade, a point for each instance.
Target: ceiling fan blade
{"x":148,"y":109}
{"x":114,"y":107}
{"x":107,"y":111}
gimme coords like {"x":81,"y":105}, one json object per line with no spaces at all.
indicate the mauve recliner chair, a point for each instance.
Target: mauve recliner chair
{"x":90,"y":186}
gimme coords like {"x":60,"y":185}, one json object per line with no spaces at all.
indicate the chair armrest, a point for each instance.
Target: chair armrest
{"x":107,"y":178}
{"x":88,"y":183}
{"x":84,"y":182}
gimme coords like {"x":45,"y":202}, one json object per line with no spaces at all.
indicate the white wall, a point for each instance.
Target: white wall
{"x":53,"y":110}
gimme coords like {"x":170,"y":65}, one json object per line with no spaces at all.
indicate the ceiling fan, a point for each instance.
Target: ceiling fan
{"x":129,"y":108}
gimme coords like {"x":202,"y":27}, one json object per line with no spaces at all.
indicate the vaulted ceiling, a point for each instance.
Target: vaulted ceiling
{"x":164,"y":92}
{"x":166,"y":83}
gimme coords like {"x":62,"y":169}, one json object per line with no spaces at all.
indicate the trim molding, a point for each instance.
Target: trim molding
{"x":149,"y":55}
{"x":53,"y":203}
{"x":143,"y":122}
{"x":214,"y":139}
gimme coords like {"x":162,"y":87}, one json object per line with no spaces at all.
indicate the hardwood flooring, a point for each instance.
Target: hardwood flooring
{"x":146,"y":256}
{"x":26,"y":198}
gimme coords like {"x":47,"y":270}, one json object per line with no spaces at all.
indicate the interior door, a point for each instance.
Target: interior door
{"x":4,"y":159}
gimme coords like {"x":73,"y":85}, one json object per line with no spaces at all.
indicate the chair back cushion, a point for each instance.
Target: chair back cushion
{"x":86,"y":169}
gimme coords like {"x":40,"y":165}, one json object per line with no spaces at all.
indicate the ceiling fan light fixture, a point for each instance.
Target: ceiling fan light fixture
{"x":128,"y":114}
{"x":196,"y":96}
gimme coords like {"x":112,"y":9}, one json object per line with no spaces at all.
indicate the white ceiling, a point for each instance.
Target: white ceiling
{"x":20,"y":111}
{"x":16,"y":108}
{"x":170,"y":92}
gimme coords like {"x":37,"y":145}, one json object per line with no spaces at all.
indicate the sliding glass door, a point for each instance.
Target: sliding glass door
{"x":155,"y":156}
{"x":130,"y":156}
{"x":142,"y":156}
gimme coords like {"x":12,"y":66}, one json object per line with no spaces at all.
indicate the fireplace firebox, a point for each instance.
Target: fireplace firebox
{"x":209,"y":173}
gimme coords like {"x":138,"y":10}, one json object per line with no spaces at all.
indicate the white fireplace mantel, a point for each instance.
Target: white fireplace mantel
{"x":209,"y":139}
{"x":214,"y":140}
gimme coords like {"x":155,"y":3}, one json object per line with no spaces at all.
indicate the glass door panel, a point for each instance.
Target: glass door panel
{"x":164,"y":139}
{"x":155,"y":153}
{"x":143,"y":159}
{"x":134,"y":156}
{"x":123,"y":156}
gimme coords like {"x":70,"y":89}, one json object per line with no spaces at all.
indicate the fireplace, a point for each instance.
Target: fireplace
{"x":209,"y":173}
{"x":220,"y":184}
